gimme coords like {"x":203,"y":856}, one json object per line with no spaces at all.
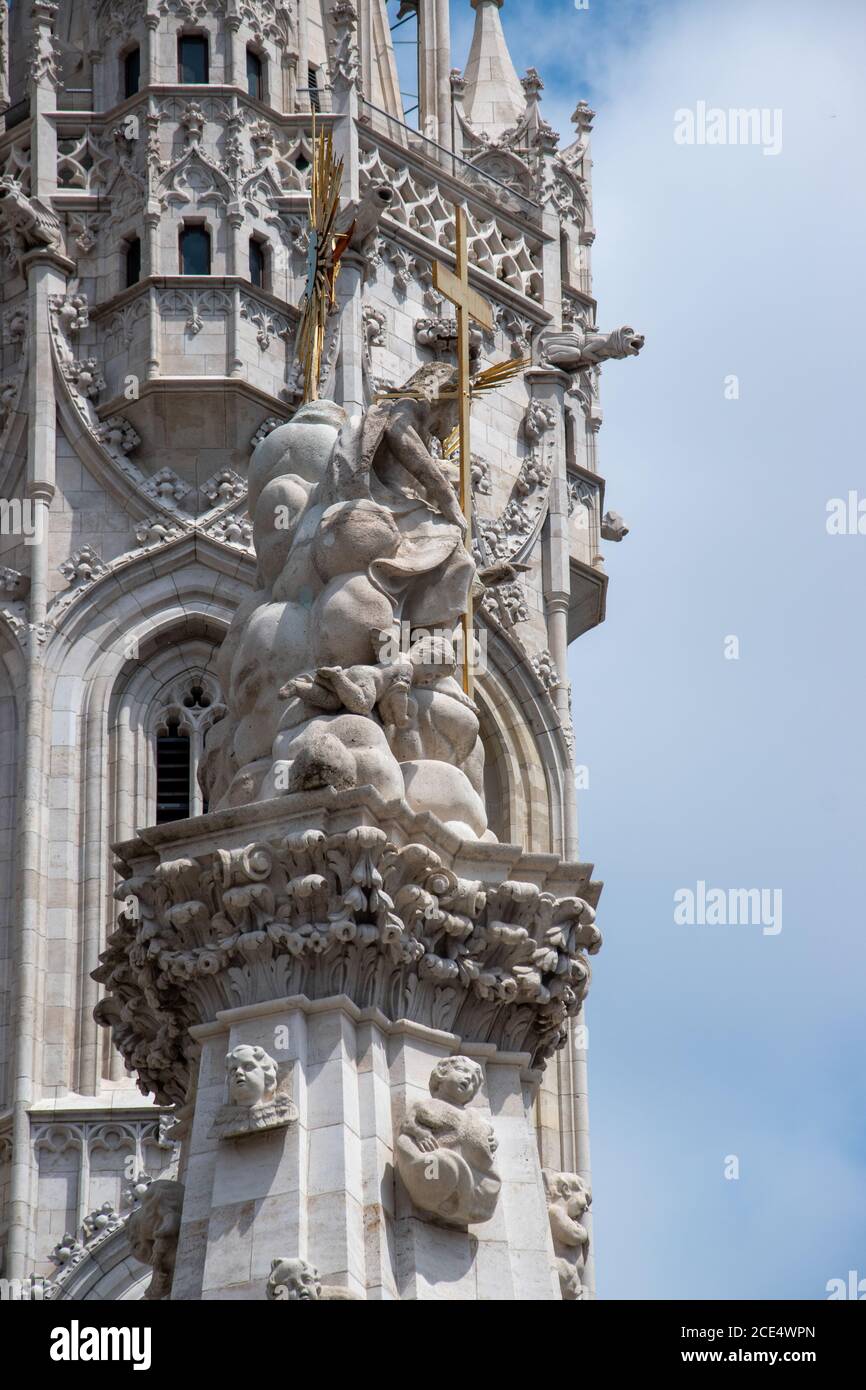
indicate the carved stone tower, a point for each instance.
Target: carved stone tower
{"x":334,"y":1047}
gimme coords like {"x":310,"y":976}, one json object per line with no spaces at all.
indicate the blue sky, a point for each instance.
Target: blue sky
{"x":715,"y":1041}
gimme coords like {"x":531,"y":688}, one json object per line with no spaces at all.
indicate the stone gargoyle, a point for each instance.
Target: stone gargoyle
{"x":33,"y":225}
{"x":581,"y":347}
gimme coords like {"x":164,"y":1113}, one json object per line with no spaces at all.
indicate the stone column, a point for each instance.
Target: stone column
{"x":350,"y":364}
{"x":323,"y":1188}
{"x":349,"y":1099}
{"x":350,"y":383}
{"x":548,"y":385}
{"x":435,"y":72}
{"x":443,"y":72}
{"x":150,"y":73}
{"x":46,"y":270}
{"x":235,"y":52}
{"x":302,"y":96}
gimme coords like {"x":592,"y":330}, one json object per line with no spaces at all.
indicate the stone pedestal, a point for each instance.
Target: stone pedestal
{"x":325,"y":1189}
{"x":340,"y":949}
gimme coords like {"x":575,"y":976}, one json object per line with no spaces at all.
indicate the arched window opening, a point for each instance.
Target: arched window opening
{"x":133,"y":261}
{"x":313,"y":83}
{"x":132,"y":72}
{"x":173,"y":767}
{"x":255,"y":75}
{"x":258,"y":263}
{"x":195,"y":250}
{"x":570,"y":444}
{"x":193,"y":62}
{"x":185,"y":711}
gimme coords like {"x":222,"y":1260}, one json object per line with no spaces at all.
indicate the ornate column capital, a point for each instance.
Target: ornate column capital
{"x":481,"y":942}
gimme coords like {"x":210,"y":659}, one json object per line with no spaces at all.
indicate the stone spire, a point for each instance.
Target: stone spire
{"x":494,"y":96}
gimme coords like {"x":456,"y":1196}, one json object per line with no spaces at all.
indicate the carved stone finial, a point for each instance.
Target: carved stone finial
{"x":345,"y":56}
{"x":84,"y":376}
{"x":43,"y":64}
{"x":532,"y":84}
{"x":193,"y":122}
{"x":583,"y":116}
{"x":68,"y":1248}
{"x":117,"y":435}
{"x":82,"y":568}
{"x":223,"y":486}
{"x":545,"y":669}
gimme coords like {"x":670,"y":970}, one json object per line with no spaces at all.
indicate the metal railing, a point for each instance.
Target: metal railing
{"x":14,"y":115}
{"x":477,"y":174}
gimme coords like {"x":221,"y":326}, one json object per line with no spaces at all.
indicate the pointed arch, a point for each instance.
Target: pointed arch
{"x":145,"y":624}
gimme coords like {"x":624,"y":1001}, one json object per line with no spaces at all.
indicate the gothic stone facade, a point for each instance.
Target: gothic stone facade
{"x":154,"y":185}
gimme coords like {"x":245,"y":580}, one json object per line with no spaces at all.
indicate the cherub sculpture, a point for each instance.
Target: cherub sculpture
{"x":445,"y":1151}
{"x":258,"y":1095}
{"x":568,"y":1198}
{"x":295,"y":1281}
{"x":358,"y":689}
{"x":438,"y":746}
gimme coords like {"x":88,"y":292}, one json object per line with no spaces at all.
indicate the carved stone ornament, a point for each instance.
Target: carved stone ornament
{"x":357,"y":529}
{"x":613,"y":527}
{"x":586,"y":347}
{"x":32,"y":225}
{"x":295,"y":1281}
{"x":568,"y":1197}
{"x":445,"y":1150}
{"x":153,"y":1229}
{"x":259,"y":1095}
{"x":348,"y":912}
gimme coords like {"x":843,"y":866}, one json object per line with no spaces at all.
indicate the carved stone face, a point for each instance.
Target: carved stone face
{"x":456,"y":1080}
{"x":432,"y":658}
{"x":294,"y":1281}
{"x":568,"y":1198}
{"x":252,"y":1075}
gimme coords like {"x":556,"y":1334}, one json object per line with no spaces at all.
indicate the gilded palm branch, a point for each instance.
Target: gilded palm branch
{"x":325,"y":249}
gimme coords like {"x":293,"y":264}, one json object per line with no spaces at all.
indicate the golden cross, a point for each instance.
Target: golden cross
{"x":469,"y":305}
